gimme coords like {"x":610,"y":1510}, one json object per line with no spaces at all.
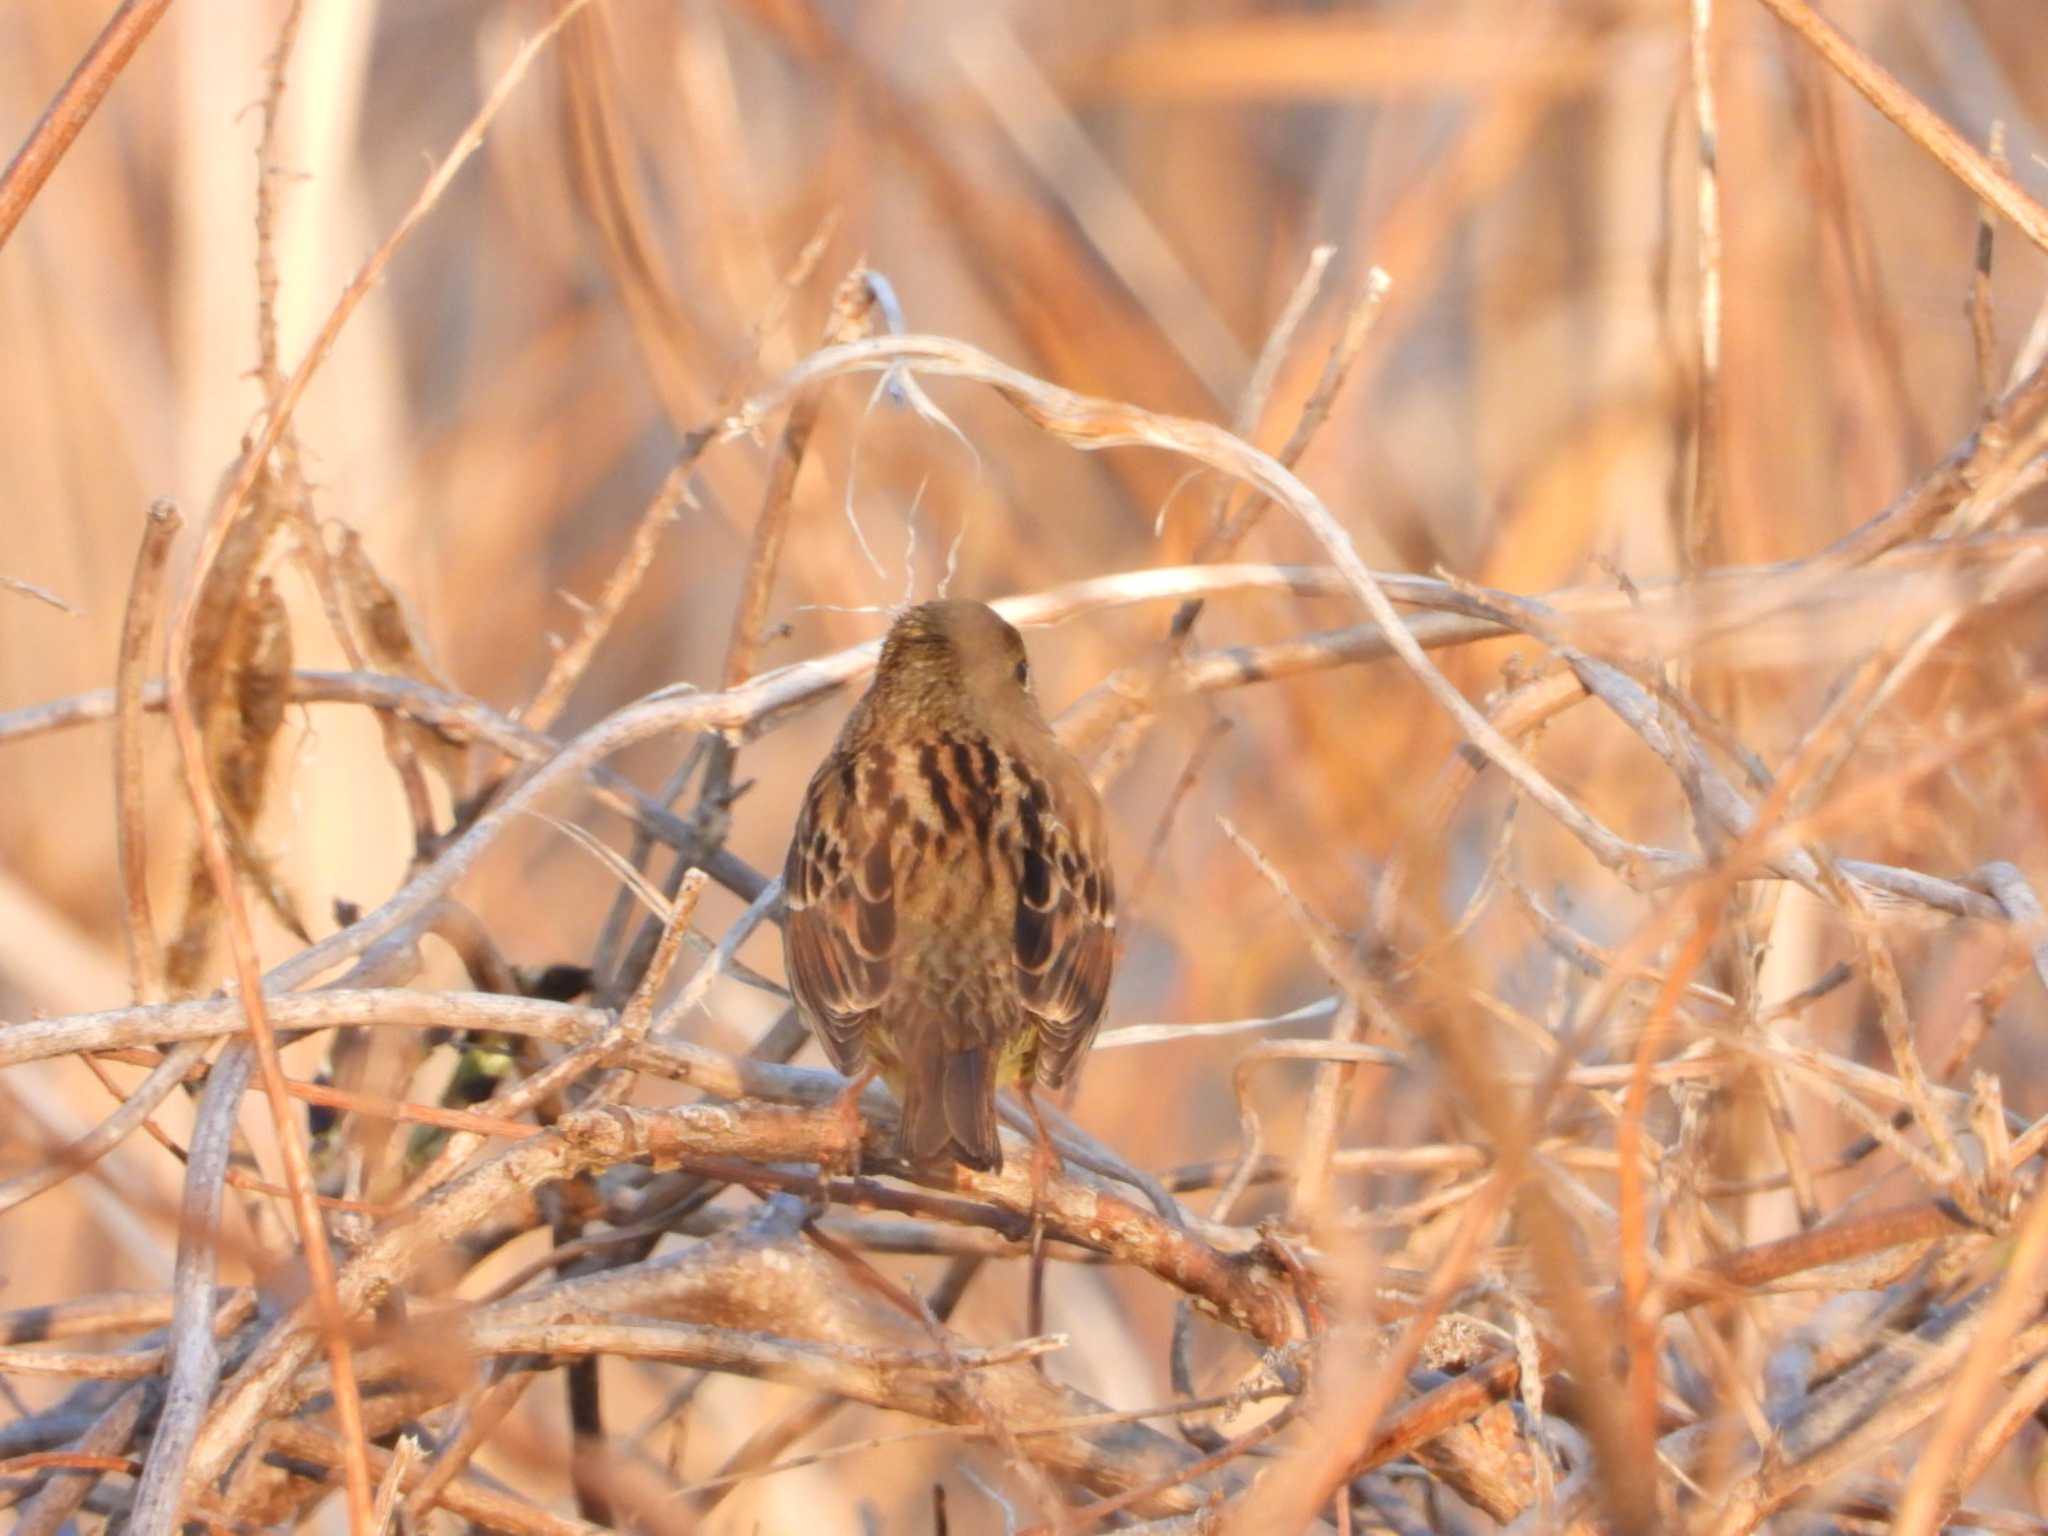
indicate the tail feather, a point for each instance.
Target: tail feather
{"x":949,"y":1110}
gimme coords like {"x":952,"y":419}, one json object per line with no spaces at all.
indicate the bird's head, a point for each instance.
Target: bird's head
{"x":942,"y":650}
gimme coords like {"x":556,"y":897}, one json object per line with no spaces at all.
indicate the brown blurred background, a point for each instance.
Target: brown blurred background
{"x":1118,"y":198}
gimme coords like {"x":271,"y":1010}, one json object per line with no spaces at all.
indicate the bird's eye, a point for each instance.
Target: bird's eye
{"x":1023,"y":672}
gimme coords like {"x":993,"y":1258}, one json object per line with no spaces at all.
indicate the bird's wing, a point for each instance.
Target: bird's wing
{"x":841,"y":891}
{"x":1066,"y":918}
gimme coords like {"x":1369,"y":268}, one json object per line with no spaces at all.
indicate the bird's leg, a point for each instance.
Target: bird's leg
{"x":1044,"y":1159}
{"x":844,"y":1155}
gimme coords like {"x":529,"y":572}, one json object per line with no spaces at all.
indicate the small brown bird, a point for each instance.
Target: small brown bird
{"x":952,"y":921}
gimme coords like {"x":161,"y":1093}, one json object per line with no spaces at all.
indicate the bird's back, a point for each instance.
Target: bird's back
{"x":950,"y":904}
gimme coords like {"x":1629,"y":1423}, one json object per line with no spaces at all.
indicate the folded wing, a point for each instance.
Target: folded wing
{"x":840,"y":885}
{"x":1066,"y":918}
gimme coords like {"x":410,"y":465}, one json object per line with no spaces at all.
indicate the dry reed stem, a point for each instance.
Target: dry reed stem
{"x":138,"y":627}
{"x":852,"y":302}
{"x":1955,"y":154}
{"x":298,"y":1178}
{"x":73,"y":106}
{"x":607,"y":178}
{"x":1701,"y":528}
{"x":291,"y":476}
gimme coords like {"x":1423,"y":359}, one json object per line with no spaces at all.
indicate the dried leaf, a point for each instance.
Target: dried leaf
{"x":386,"y":638}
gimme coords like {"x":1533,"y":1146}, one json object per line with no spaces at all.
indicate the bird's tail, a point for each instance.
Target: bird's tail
{"x":949,"y":1109}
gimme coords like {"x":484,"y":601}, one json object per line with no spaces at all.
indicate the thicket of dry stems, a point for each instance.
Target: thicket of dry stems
{"x":1626,"y":939}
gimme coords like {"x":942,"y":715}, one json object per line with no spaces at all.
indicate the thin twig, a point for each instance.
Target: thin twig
{"x":852,"y":303}
{"x":1956,"y":155}
{"x":574,"y":658}
{"x":72,"y":107}
{"x":136,"y":1107}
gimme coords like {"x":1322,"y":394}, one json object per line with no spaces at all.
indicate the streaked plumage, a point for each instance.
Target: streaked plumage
{"x":951,"y":912}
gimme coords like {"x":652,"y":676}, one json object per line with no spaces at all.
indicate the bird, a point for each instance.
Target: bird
{"x":951,"y":908}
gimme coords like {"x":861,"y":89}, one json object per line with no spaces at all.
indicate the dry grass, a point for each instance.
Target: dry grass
{"x":1575,"y":1061}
